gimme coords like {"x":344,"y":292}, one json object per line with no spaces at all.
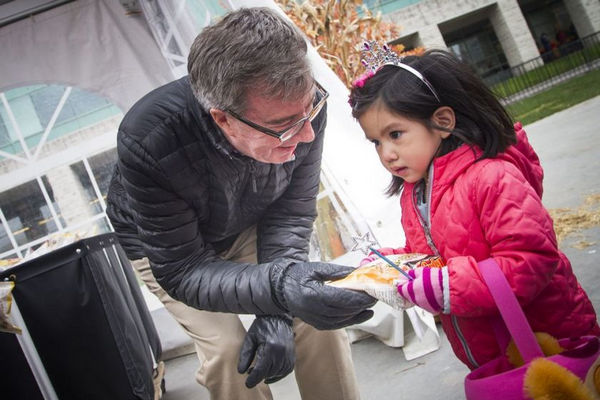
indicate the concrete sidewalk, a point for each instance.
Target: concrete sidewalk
{"x":568,"y":144}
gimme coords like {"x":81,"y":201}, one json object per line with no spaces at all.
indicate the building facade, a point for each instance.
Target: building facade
{"x":491,"y":35}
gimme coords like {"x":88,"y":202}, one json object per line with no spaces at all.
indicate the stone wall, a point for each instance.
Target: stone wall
{"x":430,"y":18}
{"x":585,"y":15}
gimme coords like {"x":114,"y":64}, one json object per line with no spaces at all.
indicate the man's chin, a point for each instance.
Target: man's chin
{"x":283,"y":160}
{"x":285,"y":157}
{"x":276,"y":160}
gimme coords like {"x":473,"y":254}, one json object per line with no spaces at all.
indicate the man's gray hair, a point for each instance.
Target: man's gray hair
{"x":249,"y":49}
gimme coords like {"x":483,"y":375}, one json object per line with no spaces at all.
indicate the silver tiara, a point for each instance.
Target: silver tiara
{"x":376,"y":56}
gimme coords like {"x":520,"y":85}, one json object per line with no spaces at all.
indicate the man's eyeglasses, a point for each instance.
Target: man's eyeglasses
{"x":294,"y":128}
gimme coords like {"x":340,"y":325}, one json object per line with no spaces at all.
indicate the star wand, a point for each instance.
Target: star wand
{"x":364,"y":243}
{"x":391,"y":263}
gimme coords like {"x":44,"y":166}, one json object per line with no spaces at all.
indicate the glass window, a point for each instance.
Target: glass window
{"x":478,"y":46}
{"x":102,"y":167}
{"x":93,"y":228}
{"x":34,"y":106}
{"x":5,"y":243}
{"x":45,"y":100}
{"x":29,"y":217}
{"x":74,"y":204}
{"x":4,"y":136}
{"x":387,"y":6}
{"x":73,"y":191}
{"x":86,"y":189}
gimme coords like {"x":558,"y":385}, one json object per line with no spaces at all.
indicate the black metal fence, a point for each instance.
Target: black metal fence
{"x":562,"y":63}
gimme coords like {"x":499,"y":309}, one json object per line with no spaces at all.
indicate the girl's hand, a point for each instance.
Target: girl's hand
{"x":428,"y":289}
{"x":372,"y":257}
{"x":386,"y":251}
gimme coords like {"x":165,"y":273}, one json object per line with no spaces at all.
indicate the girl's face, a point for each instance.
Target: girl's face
{"x":405,"y":146}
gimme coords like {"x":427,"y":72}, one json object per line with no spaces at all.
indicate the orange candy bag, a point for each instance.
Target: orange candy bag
{"x":380,"y":280}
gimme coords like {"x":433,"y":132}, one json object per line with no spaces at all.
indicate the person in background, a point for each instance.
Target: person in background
{"x":214,"y":198}
{"x":546,"y":49}
{"x":471,"y":190}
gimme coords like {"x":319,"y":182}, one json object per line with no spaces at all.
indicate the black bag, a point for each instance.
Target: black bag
{"x":88,"y":320}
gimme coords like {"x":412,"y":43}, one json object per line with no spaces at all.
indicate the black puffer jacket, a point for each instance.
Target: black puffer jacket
{"x":180,"y":194}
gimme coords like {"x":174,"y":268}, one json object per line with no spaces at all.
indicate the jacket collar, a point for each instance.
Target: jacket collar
{"x":449,"y":166}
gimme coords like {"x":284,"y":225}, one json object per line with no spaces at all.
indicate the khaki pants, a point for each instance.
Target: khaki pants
{"x":324,"y":368}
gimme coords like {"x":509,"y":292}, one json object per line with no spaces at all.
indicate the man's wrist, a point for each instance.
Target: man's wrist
{"x":287,"y":318}
{"x":277,"y":275}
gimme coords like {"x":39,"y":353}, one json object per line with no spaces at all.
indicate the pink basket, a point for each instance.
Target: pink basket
{"x":498,"y":379}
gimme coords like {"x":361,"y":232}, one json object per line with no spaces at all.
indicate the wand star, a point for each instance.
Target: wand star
{"x":363,"y":243}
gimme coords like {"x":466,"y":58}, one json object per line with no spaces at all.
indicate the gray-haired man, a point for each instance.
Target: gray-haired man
{"x":216,"y":186}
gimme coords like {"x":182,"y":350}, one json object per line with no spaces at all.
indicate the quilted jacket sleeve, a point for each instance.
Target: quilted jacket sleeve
{"x":519,"y":233}
{"x":284,"y":231}
{"x":183,"y":264}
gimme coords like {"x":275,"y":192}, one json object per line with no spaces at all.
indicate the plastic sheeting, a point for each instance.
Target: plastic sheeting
{"x":89,"y":44}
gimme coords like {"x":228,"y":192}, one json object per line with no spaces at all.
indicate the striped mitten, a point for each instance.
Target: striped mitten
{"x":428,"y":289}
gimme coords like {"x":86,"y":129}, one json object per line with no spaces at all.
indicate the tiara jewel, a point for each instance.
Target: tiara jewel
{"x":375,"y":56}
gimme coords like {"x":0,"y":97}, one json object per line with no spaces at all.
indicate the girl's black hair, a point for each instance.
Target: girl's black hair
{"x":480,"y":118}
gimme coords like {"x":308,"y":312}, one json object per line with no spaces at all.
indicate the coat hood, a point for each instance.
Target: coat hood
{"x":448,"y":167}
{"x":525,"y":158}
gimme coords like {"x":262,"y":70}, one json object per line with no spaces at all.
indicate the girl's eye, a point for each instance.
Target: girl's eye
{"x":395,"y":134}
{"x":375,"y":142}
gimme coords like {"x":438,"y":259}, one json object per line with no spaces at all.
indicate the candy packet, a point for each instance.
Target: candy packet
{"x":380,"y":280}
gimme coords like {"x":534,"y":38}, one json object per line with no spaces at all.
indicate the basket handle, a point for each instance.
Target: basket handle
{"x":510,"y":310}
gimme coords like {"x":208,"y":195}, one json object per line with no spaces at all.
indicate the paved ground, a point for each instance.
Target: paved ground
{"x":568,"y":144}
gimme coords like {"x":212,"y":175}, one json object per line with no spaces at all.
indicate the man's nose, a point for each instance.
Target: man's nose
{"x":306,"y":134}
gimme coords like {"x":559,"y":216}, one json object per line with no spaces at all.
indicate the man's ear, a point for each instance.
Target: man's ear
{"x":445,"y":118}
{"x":220,"y":118}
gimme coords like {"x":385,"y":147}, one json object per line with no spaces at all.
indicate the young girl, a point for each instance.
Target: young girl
{"x":471,"y":188}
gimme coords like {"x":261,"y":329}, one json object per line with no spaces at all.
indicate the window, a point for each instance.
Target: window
{"x":28,"y":214}
{"x":34,"y":107}
{"x":58,"y":183}
{"x":102,"y":166}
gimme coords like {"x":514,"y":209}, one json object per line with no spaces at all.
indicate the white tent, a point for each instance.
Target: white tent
{"x":119,"y":51}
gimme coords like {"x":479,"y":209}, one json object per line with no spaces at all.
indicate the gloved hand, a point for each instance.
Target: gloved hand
{"x":270,"y":343}
{"x":300,"y":290}
{"x":426,"y":289}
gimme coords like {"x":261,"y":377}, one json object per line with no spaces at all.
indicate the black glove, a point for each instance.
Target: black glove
{"x":300,"y":290}
{"x":269,"y":341}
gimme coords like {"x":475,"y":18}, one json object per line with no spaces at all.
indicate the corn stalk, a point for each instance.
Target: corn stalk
{"x":337,"y":30}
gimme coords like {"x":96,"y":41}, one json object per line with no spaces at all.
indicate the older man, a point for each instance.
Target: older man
{"x":214,"y":198}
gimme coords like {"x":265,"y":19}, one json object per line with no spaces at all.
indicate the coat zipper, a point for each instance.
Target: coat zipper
{"x":463,"y":341}
{"x":428,"y":237}
{"x":425,"y":224}
{"x":253,"y":176}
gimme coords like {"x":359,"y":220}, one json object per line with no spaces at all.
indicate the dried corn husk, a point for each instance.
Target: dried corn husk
{"x":569,"y":221}
{"x":337,"y":29}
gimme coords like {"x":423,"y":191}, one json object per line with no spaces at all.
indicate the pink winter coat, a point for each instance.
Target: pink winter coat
{"x":493,"y":208}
